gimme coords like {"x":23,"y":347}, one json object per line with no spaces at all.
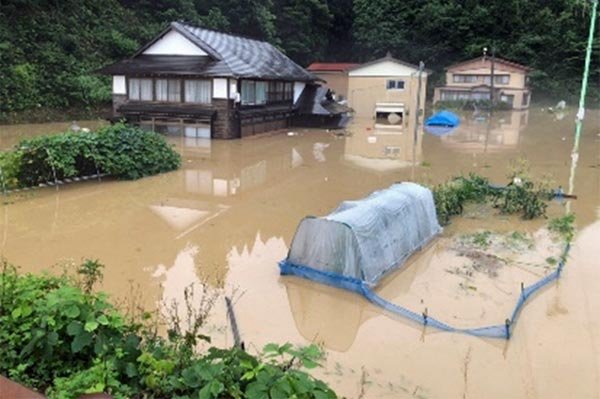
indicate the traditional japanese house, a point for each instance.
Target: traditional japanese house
{"x":202,"y":83}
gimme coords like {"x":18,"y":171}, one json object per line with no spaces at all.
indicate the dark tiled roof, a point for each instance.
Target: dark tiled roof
{"x":244,"y":57}
{"x":230,"y":56}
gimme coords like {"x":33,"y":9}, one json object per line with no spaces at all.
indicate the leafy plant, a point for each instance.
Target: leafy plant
{"x":62,"y":339}
{"x":522,"y":196}
{"x":91,"y":273}
{"x":563,"y":226}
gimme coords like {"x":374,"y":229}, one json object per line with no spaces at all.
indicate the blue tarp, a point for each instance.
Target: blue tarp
{"x":443,"y":118}
{"x":439,"y":130}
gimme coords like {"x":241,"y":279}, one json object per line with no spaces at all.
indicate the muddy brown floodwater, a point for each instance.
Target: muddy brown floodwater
{"x":229,"y":214}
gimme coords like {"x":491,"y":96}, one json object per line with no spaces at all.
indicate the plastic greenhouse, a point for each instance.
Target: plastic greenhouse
{"x":362,"y":240}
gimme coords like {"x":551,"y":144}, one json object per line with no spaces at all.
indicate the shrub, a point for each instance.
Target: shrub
{"x":59,"y":337}
{"x":131,"y":153}
{"x":119,"y":150}
{"x":522,"y":196}
{"x":51,"y":328}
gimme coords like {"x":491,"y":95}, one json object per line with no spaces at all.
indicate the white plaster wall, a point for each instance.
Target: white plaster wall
{"x":220,"y":88}
{"x":298,"y":88}
{"x":119,"y":85}
{"x":384,"y":68}
{"x":233,"y":89}
{"x":174,"y":43}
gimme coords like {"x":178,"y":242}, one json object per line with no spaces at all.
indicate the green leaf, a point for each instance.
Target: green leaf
{"x":72,"y":311}
{"x":131,"y":370}
{"x":74,"y":328}
{"x":256,"y":390}
{"x":191,"y":378}
{"x":90,"y":325}
{"x":102,"y":319}
{"x":52,"y":338}
{"x":81,"y":341}
{"x":26,"y":310}
{"x":16,"y":313}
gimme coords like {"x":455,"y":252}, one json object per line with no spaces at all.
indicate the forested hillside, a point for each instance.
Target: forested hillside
{"x":48,"y":48}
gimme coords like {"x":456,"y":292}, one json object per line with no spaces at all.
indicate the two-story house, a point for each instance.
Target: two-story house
{"x":472,"y":80}
{"x":386,"y":90}
{"x":203,"y":83}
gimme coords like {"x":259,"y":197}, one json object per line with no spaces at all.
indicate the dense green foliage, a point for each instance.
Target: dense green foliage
{"x":61,"y":338}
{"x":49,"y":50}
{"x":119,"y":150}
{"x":547,"y":35}
{"x":522,"y":196}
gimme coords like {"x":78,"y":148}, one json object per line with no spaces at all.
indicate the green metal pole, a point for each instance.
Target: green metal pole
{"x":586,"y":74}
{"x":583,"y":93}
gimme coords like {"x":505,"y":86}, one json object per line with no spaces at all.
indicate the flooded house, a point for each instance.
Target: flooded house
{"x":472,"y":80}
{"x":202,"y":83}
{"x":386,"y":90}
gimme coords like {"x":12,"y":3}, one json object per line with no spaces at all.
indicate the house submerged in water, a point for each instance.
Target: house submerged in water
{"x":202,"y":83}
{"x":472,"y":81}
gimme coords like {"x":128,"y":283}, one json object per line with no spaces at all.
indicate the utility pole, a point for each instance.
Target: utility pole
{"x":493,"y":97}
{"x":417,"y":114}
{"x":493,"y":62}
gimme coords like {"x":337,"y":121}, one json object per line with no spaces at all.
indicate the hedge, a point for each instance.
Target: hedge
{"x":119,"y":150}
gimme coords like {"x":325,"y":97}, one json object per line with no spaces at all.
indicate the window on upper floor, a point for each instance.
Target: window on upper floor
{"x":140,"y":89}
{"x":502,"y":79}
{"x":395,"y":84}
{"x":254,"y":92}
{"x":168,"y":90}
{"x":198,"y":91}
{"x":259,"y":92}
{"x":464,"y":78}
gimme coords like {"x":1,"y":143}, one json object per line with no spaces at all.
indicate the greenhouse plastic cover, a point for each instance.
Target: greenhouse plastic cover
{"x":363,"y":240}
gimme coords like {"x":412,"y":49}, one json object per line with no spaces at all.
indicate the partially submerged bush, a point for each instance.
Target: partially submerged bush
{"x":522,"y":196}
{"x":131,"y":153}
{"x":123,"y":151}
{"x":450,"y":197}
{"x":62,"y":339}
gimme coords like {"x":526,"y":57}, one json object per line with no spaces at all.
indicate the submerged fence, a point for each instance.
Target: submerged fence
{"x":502,"y":331}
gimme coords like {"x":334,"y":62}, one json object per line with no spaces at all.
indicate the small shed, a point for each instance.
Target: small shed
{"x":362,"y":240}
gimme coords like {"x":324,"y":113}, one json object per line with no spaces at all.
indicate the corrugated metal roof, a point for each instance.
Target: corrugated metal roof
{"x":229,"y":56}
{"x":331,"y":66}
